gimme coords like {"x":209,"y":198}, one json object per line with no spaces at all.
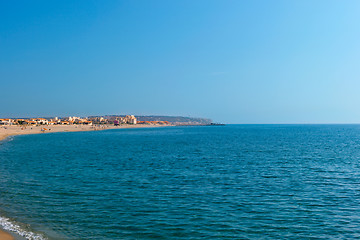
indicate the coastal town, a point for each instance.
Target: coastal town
{"x":22,"y":126}
{"x":90,"y":121}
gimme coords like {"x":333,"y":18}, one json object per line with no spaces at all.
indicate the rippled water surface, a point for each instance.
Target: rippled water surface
{"x":231,"y":182}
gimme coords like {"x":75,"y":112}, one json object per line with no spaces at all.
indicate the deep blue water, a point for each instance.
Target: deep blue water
{"x":231,"y":182}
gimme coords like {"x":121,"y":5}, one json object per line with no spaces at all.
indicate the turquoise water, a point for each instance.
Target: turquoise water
{"x":231,"y":182}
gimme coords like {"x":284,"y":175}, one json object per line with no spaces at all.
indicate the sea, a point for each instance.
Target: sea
{"x":194,"y":182}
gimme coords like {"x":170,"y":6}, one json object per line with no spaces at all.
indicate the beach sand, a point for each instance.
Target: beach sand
{"x":5,"y":236}
{"x":6,"y":131}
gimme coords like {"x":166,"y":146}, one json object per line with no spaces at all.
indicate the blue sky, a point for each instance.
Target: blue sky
{"x":231,"y":61}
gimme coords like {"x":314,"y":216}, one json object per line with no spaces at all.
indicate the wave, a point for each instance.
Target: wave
{"x":8,"y":225}
{"x":7,"y":139}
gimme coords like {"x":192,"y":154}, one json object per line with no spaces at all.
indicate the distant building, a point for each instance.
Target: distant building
{"x":73,"y":119}
{"x":42,"y":121}
{"x":6,"y":121}
{"x":30,"y":122}
{"x":130,"y":119}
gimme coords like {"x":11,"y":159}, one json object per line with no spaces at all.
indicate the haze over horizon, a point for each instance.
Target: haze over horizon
{"x":230,"y":61}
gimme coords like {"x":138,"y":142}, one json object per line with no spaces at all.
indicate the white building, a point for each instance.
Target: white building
{"x":40,"y":121}
{"x":130,"y":119}
{"x":72,"y":119}
{"x":6,"y":121}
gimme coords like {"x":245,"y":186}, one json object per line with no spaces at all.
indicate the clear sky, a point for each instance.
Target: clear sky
{"x":231,"y":61}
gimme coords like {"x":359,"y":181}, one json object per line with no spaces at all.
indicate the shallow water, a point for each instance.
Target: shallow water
{"x":231,"y":182}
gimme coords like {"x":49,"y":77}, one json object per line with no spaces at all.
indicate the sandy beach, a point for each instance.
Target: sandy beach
{"x":5,"y":236}
{"x":6,"y":131}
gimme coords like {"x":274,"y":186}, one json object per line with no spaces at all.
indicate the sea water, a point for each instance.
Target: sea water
{"x":216,"y":182}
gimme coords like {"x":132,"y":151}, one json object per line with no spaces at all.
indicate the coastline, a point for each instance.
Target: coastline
{"x":7,"y":131}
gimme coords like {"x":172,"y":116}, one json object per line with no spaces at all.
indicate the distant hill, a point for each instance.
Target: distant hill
{"x":174,"y":119}
{"x":171,"y":119}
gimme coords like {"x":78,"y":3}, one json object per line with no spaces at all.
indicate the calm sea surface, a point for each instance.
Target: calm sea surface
{"x":231,"y":182}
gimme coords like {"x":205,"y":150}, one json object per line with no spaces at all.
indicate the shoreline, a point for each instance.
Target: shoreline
{"x":8,"y":131}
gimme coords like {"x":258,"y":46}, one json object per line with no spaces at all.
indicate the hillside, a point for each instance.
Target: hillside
{"x":175,"y":119}
{"x":171,"y":119}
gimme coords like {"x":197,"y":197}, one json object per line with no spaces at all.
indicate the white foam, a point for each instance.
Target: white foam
{"x":6,"y":224}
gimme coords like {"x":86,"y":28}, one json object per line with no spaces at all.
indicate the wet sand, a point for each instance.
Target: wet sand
{"x":5,"y":236}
